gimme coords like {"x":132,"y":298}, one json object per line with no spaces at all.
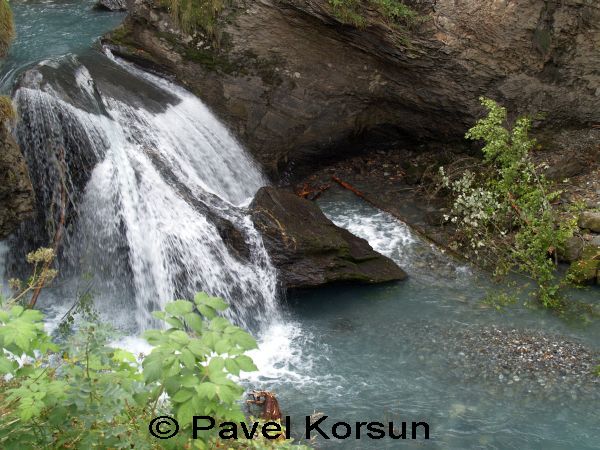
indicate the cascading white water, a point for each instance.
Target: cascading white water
{"x":164,"y":186}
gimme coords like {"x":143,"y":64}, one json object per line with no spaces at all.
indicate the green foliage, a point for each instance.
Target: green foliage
{"x":353,"y":11}
{"x":7,"y":30}
{"x":499,"y":300}
{"x":196,"y":14}
{"x":81,"y":393}
{"x":507,"y":212}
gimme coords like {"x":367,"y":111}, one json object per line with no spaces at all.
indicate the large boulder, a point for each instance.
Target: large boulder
{"x":16,"y":192}
{"x":297,"y":85}
{"x":309,"y":250}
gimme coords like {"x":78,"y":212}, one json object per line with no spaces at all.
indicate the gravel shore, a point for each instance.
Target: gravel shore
{"x":525,"y":361}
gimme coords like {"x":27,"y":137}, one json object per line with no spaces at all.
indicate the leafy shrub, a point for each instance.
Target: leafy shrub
{"x":195,"y":14}
{"x":508,"y":210}
{"x":82,"y":393}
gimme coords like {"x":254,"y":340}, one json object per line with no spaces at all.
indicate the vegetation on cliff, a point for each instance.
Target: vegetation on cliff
{"x":195,"y":14}
{"x":505,"y":213}
{"x":353,"y":11}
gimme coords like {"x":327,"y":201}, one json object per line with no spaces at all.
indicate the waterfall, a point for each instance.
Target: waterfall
{"x":155,"y":192}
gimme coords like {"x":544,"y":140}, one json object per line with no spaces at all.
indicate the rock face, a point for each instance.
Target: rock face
{"x":112,"y":5}
{"x":309,"y":250}
{"x":297,"y":85}
{"x":16,"y":193}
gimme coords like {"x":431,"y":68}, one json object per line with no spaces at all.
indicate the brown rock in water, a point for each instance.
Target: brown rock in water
{"x":309,"y":250}
{"x":16,"y":192}
{"x":297,"y":85}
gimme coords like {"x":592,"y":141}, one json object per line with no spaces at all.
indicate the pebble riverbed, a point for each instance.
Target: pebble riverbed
{"x":516,"y":361}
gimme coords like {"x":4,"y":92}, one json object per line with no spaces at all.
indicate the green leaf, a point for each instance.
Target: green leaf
{"x":185,"y":412}
{"x":222,"y":346}
{"x":244,"y":340}
{"x":16,"y":311}
{"x":124,"y":356}
{"x":195,"y":322}
{"x":216,"y":303}
{"x":6,"y":365}
{"x":232,"y":366}
{"x":179,"y":307}
{"x":245,"y":363}
{"x":198,"y":348}
{"x":182,"y":396}
{"x":180,"y":337}
{"x":152,"y":367}
{"x":187,"y":358}
{"x":200,"y":298}
{"x":207,"y":389}
{"x":175,"y":323}
{"x":207,"y":311}
{"x":227,"y":395}
{"x":154,"y":337}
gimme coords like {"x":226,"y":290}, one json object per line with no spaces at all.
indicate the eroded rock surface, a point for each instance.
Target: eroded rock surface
{"x":16,"y":192}
{"x":309,"y":250}
{"x":298,"y":86}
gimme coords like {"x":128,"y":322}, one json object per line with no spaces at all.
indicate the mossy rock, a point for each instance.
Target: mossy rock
{"x":587,"y":269}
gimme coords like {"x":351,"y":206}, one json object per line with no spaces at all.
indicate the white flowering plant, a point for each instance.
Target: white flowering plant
{"x":508,"y":209}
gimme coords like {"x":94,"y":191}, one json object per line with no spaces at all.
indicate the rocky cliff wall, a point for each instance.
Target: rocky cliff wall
{"x":299,"y":86}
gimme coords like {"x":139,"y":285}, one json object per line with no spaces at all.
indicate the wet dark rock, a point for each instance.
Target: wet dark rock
{"x":309,"y":250}
{"x":16,"y":192}
{"x":112,"y":5}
